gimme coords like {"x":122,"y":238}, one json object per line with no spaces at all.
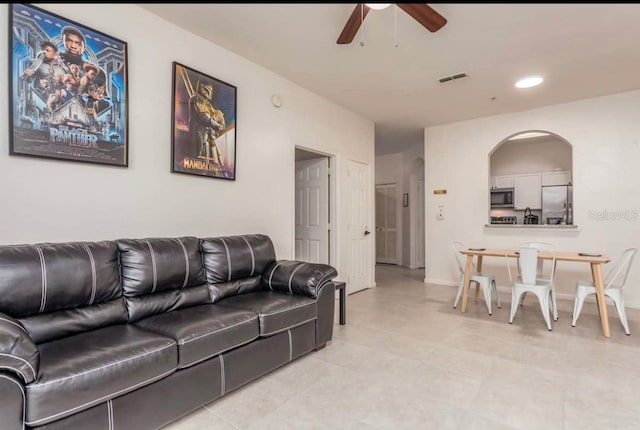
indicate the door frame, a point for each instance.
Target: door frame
{"x":398,"y":227}
{"x":332,"y":245}
{"x":414,"y":221}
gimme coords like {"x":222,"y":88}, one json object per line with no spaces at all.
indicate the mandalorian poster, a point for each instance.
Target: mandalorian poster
{"x":204,"y":125}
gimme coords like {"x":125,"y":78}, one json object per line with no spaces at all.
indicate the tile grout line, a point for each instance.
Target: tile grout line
{"x":221,"y":417}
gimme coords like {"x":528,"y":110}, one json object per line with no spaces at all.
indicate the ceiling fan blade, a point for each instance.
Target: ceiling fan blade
{"x":353,"y":24}
{"x":425,"y":15}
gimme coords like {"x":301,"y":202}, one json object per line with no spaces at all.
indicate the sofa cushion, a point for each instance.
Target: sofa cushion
{"x":276,"y":311}
{"x":55,"y":325}
{"x":161,"y":274}
{"x":236,"y":258}
{"x":221,"y":290}
{"x":204,"y":331}
{"x":60,"y":289}
{"x":83,"y":370}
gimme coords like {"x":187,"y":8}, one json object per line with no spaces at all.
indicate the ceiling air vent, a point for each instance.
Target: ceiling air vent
{"x":453,"y":78}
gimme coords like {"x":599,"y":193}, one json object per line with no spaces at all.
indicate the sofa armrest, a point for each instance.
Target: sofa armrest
{"x":297,"y":277}
{"x":13,"y":402}
{"x":326,"y":310}
{"x":18,"y":353}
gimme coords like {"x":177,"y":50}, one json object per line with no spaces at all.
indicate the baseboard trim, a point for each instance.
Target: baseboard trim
{"x":440,"y":282}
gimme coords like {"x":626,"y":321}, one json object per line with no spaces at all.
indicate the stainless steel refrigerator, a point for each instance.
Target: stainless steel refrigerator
{"x":557,"y":204}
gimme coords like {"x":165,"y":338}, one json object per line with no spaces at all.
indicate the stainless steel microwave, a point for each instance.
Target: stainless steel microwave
{"x":502,"y":198}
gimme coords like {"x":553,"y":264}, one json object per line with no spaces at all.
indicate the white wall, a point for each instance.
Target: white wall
{"x":389,"y":169}
{"x":522,"y":156}
{"x":605,"y":134}
{"x":48,"y":200}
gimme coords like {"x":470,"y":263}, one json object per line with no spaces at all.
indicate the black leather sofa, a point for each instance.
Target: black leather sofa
{"x":134,"y":333}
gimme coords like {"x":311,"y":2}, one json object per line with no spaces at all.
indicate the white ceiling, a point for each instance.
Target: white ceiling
{"x":582,"y":51}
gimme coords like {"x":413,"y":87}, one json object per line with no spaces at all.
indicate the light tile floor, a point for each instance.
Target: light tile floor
{"x":407,"y":360}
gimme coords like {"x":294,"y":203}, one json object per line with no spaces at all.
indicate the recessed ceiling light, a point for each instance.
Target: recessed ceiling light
{"x":529,"y":82}
{"x":377,"y":6}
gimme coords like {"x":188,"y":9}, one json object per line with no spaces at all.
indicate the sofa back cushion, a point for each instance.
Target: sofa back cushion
{"x":161,"y":275}
{"x":61,"y":289}
{"x":235,"y":264}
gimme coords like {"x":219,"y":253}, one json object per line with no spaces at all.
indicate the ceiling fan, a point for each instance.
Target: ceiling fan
{"x":423,"y":13}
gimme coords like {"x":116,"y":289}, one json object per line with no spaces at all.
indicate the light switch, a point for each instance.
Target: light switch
{"x":440,"y":213}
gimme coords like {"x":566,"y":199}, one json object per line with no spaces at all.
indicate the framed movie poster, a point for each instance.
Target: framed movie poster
{"x":68,"y":89}
{"x":204,"y":125}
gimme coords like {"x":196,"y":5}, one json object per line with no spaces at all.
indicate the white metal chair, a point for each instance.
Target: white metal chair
{"x":530,"y":280}
{"x":543,"y":246}
{"x":613,"y":283}
{"x":486,"y":282}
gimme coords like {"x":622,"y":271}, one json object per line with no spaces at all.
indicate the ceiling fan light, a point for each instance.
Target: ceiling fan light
{"x":377,"y":6}
{"x":529,"y":82}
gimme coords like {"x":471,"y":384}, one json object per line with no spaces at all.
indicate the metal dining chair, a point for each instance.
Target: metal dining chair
{"x":530,"y":280}
{"x":486,"y":282}
{"x":613,"y":283}
{"x":543,"y":246}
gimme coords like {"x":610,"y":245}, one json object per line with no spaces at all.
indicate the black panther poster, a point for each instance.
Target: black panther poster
{"x":68,"y":97}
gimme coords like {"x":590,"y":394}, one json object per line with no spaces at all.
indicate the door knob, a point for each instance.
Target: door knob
{"x":366,"y":232}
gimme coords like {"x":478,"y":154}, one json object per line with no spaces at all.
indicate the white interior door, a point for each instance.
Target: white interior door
{"x":386,"y":220}
{"x":359,"y":233}
{"x":312,"y":210}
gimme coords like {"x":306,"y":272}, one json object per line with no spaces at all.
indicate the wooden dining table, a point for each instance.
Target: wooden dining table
{"x":594,"y":260}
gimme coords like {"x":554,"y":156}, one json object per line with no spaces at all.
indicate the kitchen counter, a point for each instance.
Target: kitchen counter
{"x":533,"y":226}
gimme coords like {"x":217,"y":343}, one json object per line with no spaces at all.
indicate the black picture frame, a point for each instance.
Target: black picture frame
{"x":204,"y":119}
{"x":68,"y":90}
